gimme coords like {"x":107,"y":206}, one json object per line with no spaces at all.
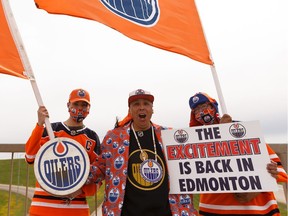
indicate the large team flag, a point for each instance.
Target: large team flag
{"x":167,"y":24}
{"x":13,"y":58}
{"x":10,"y":61}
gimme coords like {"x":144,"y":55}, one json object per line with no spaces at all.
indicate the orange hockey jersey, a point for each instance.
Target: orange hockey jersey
{"x":44,"y":203}
{"x":225,"y":203}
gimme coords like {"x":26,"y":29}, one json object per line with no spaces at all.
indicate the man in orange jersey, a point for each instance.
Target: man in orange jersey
{"x":204,"y":111}
{"x":134,"y":168}
{"x":44,"y":203}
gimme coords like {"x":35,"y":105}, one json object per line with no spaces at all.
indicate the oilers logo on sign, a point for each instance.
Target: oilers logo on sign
{"x":237,"y":130}
{"x":181,"y":136}
{"x":61,"y":166}
{"x":141,"y":12}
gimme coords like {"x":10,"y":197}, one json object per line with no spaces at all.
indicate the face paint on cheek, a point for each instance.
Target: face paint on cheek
{"x":73,"y":110}
{"x":86,"y":110}
{"x":78,"y":115}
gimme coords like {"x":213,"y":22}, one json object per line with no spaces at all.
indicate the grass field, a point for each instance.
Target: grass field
{"x":20,"y":170}
{"x":17,"y":205}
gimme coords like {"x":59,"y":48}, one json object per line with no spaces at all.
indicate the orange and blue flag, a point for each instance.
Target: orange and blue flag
{"x":10,"y":61}
{"x":167,"y":24}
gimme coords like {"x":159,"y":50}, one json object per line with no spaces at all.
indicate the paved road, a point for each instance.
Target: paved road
{"x":18,"y":189}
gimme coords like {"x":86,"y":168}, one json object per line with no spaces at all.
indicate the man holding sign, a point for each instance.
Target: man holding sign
{"x":204,"y":111}
{"x":63,"y":168}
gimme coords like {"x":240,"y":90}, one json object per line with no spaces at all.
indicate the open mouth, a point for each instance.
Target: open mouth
{"x":142,"y":115}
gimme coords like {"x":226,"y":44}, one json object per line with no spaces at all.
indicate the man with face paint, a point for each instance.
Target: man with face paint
{"x":204,"y":111}
{"x":78,"y":107}
{"x":44,"y":203}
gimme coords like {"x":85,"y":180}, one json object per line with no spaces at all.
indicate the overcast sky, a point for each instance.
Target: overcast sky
{"x":247,"y":40}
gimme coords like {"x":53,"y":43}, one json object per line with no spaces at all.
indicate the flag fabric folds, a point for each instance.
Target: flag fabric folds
{"x":167,"y":24}
{"x":10,"y":61}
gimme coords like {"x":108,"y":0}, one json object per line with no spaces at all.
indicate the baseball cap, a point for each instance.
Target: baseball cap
{"x":200,"y":98}
{"x":79,"y":95}
{"x":140,"y":94}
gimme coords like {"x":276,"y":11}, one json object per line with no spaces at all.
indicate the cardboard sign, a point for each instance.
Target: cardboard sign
{"x":219,"y":158}
{"x":61,"y":166}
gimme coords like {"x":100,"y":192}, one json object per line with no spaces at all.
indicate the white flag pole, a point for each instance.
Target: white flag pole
{"x":214,"y":74}
{"x":24,"y":58}
{"x":218,"y":89}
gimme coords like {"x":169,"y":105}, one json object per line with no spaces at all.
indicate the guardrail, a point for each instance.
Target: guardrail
{"x":14,"y":148}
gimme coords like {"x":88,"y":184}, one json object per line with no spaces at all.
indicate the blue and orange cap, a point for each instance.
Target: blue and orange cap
{"x":200,"y":98}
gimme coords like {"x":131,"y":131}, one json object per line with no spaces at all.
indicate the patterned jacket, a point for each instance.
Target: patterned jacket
{"x":112,"y":167}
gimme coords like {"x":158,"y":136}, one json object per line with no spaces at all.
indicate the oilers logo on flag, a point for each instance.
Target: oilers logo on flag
{"x":141,"y":12}
{"x":61,"y":166}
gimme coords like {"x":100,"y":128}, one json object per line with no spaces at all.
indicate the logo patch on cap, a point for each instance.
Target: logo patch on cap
{"x":81,"y":93}
{"x":139,"y":91}
{"x":195,"y":99}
